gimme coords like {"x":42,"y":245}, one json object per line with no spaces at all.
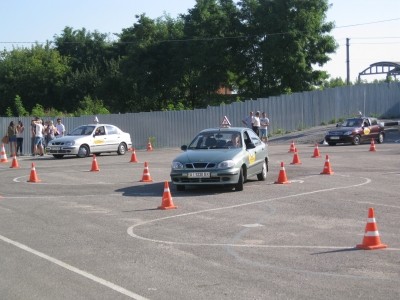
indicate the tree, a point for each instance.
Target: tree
{"x":285,"y":38}
{"x":35,"y":74}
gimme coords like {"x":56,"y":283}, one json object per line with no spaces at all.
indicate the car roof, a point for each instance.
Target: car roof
{"x":225,"y":129}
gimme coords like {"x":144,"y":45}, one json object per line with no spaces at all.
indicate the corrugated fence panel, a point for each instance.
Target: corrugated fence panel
{"x":286,"y":113}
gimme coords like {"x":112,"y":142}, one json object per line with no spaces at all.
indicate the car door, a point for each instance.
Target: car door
{"x":374,"y":128}
{"x":99,"y":140}
{"x":113,"y":138}
{"x":256,"y":155}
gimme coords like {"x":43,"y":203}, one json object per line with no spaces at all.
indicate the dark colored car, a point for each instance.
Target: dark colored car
{"x":356,"y":131}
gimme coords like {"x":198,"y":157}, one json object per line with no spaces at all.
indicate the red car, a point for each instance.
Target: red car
{"x":356,"y":131}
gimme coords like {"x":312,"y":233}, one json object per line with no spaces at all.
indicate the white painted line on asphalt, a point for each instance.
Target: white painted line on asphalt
{"x":92,"y":277}
{"x":130,"y":229}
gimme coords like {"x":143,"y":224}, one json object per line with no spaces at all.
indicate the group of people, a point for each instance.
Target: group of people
{"x":259,"y":122}
{"x":41,"y":134}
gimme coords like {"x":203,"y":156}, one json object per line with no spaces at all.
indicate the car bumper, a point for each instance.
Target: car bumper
{"x":339,"y":138}
{"x":221,"y":177}
{"x":65,"y":150}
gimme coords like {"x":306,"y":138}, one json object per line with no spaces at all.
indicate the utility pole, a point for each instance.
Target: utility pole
{"x":348,"y":60}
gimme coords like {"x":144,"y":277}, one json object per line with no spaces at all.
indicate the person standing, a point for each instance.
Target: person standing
{"x":50,"y":132}
{"x":248,"y":121}
{"x":39,"y":131}
{"x":33,"y":135}
{"x":256,"y":123}
{"x":20,"y":137}
{"x":12,"y":138}
{"x":60,"y":128}
{"x":264,"y":122}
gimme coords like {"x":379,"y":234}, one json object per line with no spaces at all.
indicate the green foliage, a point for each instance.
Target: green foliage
{"x":38,"y":111}
{"x":257,"y":48}
{"x":9,"y":112}
{"x":88,"y":106}
{"x":19,"y":107}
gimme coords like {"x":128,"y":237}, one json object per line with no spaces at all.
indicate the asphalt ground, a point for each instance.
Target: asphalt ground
{"x":78,"y":234}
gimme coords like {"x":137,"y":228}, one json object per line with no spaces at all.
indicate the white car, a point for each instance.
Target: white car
{"x":91,"y":139}
{"x":221,"y":156}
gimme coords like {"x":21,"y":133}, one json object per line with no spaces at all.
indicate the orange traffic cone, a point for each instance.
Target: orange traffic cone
{"x":282,"y":179}
{"x":146,"y":174}
{"x":292,"y":147}
{"x":133,"y":157}
{"x":149,"y":147}
{"x":33,"y":177}
{"x":316,"y":151}
{"x":167,"y":202}
{"x":296,"y":159}
{"x":95,"y":166}
{"x":372,"y":147}
{"x":327,"y":167}
{"x":14,"y":163}
{"x":371,"y":239}
{"x":3,"y":155}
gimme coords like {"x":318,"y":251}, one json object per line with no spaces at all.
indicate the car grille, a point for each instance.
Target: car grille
{"x":335,"y":133}
{"x":200,"y":165}
{"x":57,"y":143}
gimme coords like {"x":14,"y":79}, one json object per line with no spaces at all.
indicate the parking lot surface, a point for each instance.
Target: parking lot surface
{"x":79,"y":234}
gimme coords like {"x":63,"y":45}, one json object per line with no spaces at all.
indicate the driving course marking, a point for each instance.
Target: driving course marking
{"x":68,"y":267}
{"x":131,"y":232}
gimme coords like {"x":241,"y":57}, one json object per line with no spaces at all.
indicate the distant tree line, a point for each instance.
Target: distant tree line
{"x":255,"y":48}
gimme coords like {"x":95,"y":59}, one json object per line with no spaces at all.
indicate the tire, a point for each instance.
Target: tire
{"x":263,"y":175}
{"x":180,"y":188}
{"x":239,"y":185}
{"x":83,"y":151}
{"x":380,"y":138}
{"x":58,"y":156}
{"x":332,"y":144}
{"x":121,"y":149}
{"x":356,"y":140}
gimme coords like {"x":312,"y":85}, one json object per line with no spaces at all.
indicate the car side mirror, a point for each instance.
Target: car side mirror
{"x":250,"y":146}
{"x":184,"y":147}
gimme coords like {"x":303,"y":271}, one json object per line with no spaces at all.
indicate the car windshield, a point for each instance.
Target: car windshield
{"x":352,"y":123}
{"x":216,"y":140}
{"x":82,"y":130}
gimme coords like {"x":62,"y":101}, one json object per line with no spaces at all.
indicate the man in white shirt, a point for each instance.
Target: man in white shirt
{"x":60,"y":128}
{"x":38,"y":144}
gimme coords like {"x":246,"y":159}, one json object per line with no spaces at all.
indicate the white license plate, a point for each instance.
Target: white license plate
{"x":334,"y":137}
{"x":55,"y":148}
{"x":199,"y":175}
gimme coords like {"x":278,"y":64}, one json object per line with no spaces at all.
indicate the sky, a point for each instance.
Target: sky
{"x":373,"y":26}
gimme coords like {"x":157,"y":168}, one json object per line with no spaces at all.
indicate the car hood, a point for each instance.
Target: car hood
{"x":343,"y":129}
{"x":207,"y":155}
{"x":69,"y":138}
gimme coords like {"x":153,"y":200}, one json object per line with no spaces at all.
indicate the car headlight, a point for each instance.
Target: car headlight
{"x":348,"y":133}
{"x":226,"y":164}
{"x":69,"y":143}
{"x":176,"y":165}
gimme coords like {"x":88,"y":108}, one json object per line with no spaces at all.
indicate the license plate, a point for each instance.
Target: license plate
{"x":55,"y":148}
{"x":334,"y":137}
{"x":199,"y":175}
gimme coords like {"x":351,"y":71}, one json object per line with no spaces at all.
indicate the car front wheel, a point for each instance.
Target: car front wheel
{"x":263,"y":175}
{"x":239,"y":185}
{"x":357,"y":140}
{"x":83,"y":151}
{"x":380,"y":138}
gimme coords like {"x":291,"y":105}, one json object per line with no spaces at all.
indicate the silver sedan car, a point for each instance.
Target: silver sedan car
{"x":91,"y":139}
{"x":221,"y":156}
